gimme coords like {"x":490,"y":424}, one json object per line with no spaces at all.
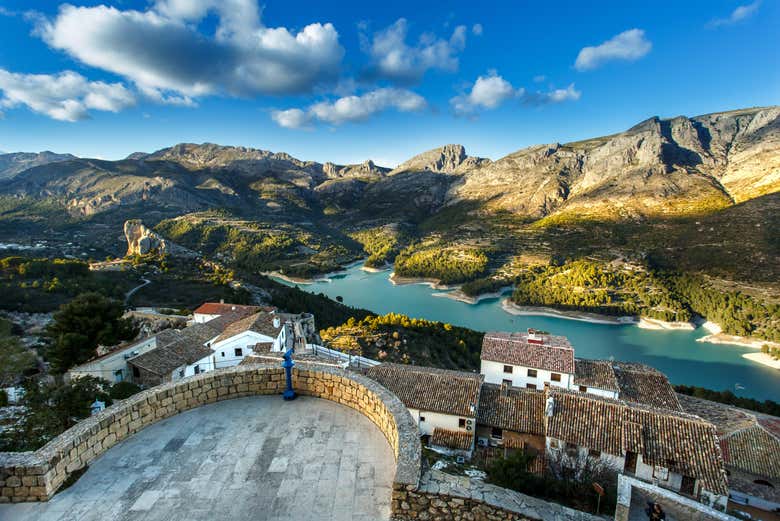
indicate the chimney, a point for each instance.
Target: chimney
{"x":232,"y":308}
{"x":221,"y":301}
{"x":277,"y":322}
{"x":549,"y":406}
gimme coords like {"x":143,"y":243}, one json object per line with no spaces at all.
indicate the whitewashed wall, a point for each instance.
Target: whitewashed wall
{"x":442,"y":421}
{"x":494,"y":374}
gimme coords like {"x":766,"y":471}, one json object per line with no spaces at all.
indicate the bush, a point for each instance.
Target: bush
{"x":123,"y":390}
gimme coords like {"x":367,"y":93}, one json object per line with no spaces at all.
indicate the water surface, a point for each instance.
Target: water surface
{"x":676,"y":353}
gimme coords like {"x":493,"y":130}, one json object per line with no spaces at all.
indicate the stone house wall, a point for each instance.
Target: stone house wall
{"x":440,"y":497}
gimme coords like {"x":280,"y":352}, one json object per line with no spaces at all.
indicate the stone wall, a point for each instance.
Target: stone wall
{"x":441,"y":496}
{"x":36,"y":476}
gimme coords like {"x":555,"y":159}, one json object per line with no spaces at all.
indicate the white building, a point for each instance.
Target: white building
{"x":113,"y":365}
{"x":530,"y":360}
{"x":442,"y":402}
{"x":211,"y":310}
{"x":595,"y":377}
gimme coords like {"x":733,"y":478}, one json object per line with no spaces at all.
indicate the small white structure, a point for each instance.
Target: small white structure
{"x":531,"y":360}
{"x":97,"y":406}
{"x":113,"y":365}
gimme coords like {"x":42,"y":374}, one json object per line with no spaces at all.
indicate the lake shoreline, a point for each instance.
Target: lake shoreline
{"x":458,"y":295}
{"x":398,"y":280}
{"x":763,"y":359}
{"x":654,"y":323}
{"x":325,"y":277}
{"x":581,"y":316}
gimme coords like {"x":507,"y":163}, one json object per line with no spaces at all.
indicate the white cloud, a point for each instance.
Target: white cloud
{"x":742,"y":12}
{"x":66,"y":96}
{"x":477,"y":29}
{"x":163,"y":53}
{"x":490,"y":91}
{"x":393,"y":59}
{"x":291,"y":118}
{"x":351,"y":108}
{"x":628,"y":46}
{"x":553,"y":96}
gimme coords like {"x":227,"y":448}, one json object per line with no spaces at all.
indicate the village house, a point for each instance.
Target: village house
{"x":442,"y":402}
{"x":530,"y":360}
{"x":259,"y":332}
{"x":211,"y":310}
{"x":112,"y":366}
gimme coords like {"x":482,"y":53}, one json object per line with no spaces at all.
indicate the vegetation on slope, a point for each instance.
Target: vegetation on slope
{"x":398,"y":338}
{"x":448,"y":265}
{"x":735,"y":312}
{"x":602,"y":288}
{"x":382,"y":244}
{"x":40,"y":285}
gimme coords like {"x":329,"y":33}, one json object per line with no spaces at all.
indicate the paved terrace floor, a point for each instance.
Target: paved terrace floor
{"x":256,"y":458}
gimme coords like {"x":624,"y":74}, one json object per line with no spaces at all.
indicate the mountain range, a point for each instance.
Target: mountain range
{"x":660,"y":170}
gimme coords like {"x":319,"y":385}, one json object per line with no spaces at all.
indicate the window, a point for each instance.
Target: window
{"x":583,"y":389}
{"x":239,"y":351}
{"x":595,"y":454}
{"x":462,"y":423}
{"x":118,"y":376}
{"x":508,"y":369}
{"x":422,"y":418}
{"x":136,"y":372}
{"x":688,"y":485}
{"x":496,"y":433}
{"x":571,"y":449}
{"x":197,"y":369}
{"x":223,"y":354}
{"x":532,"y":373}
{"x":507,"y":382}
{"x":555,"y":377}
{"x":530,"y":386}
{"x":553,"y":443}
{"x":181,"y":373}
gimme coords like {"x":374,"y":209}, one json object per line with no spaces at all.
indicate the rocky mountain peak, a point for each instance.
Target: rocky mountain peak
{"x":15,"y":163}
{"x":447,"y":159}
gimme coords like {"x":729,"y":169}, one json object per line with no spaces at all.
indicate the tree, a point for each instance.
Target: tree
{"x":15,"y":361}
{"x":81,"y":325}
{"x":51,"y":409}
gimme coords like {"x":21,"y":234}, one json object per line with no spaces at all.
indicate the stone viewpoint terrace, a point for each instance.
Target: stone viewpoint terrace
{"x":149,"y":442}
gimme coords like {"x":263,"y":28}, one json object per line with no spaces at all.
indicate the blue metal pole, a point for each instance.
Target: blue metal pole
{"x":288,"y":364}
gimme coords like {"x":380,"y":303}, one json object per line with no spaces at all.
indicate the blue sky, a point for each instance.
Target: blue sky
{"x":330,"y":81}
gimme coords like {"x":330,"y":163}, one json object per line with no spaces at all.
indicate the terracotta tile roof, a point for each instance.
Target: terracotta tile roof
{"x":261,"y":322}
{"x":587,"y":421}
{"x":554,"y":354}
{"x":595,"y":373}
{"x":459,"y":440}
{"x":753,"y":450}
{"x":683,"y":443}
{"x":220,"y":308}
{"x":645,"y":385}
{"x":519,"y":410}
{"x":431,"y":389}
{"x":162,"y":361}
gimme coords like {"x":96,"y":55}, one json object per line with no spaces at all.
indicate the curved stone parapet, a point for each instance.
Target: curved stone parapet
{"x":36,"y":476}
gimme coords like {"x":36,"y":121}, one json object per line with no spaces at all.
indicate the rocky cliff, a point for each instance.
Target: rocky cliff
{"x":675,"y":166}
{"x":141,"y":240}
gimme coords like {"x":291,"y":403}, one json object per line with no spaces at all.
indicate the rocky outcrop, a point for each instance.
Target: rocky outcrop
{"x":141,"y":240}
{"x":365,"y":170}
{"x":448,"y":159}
